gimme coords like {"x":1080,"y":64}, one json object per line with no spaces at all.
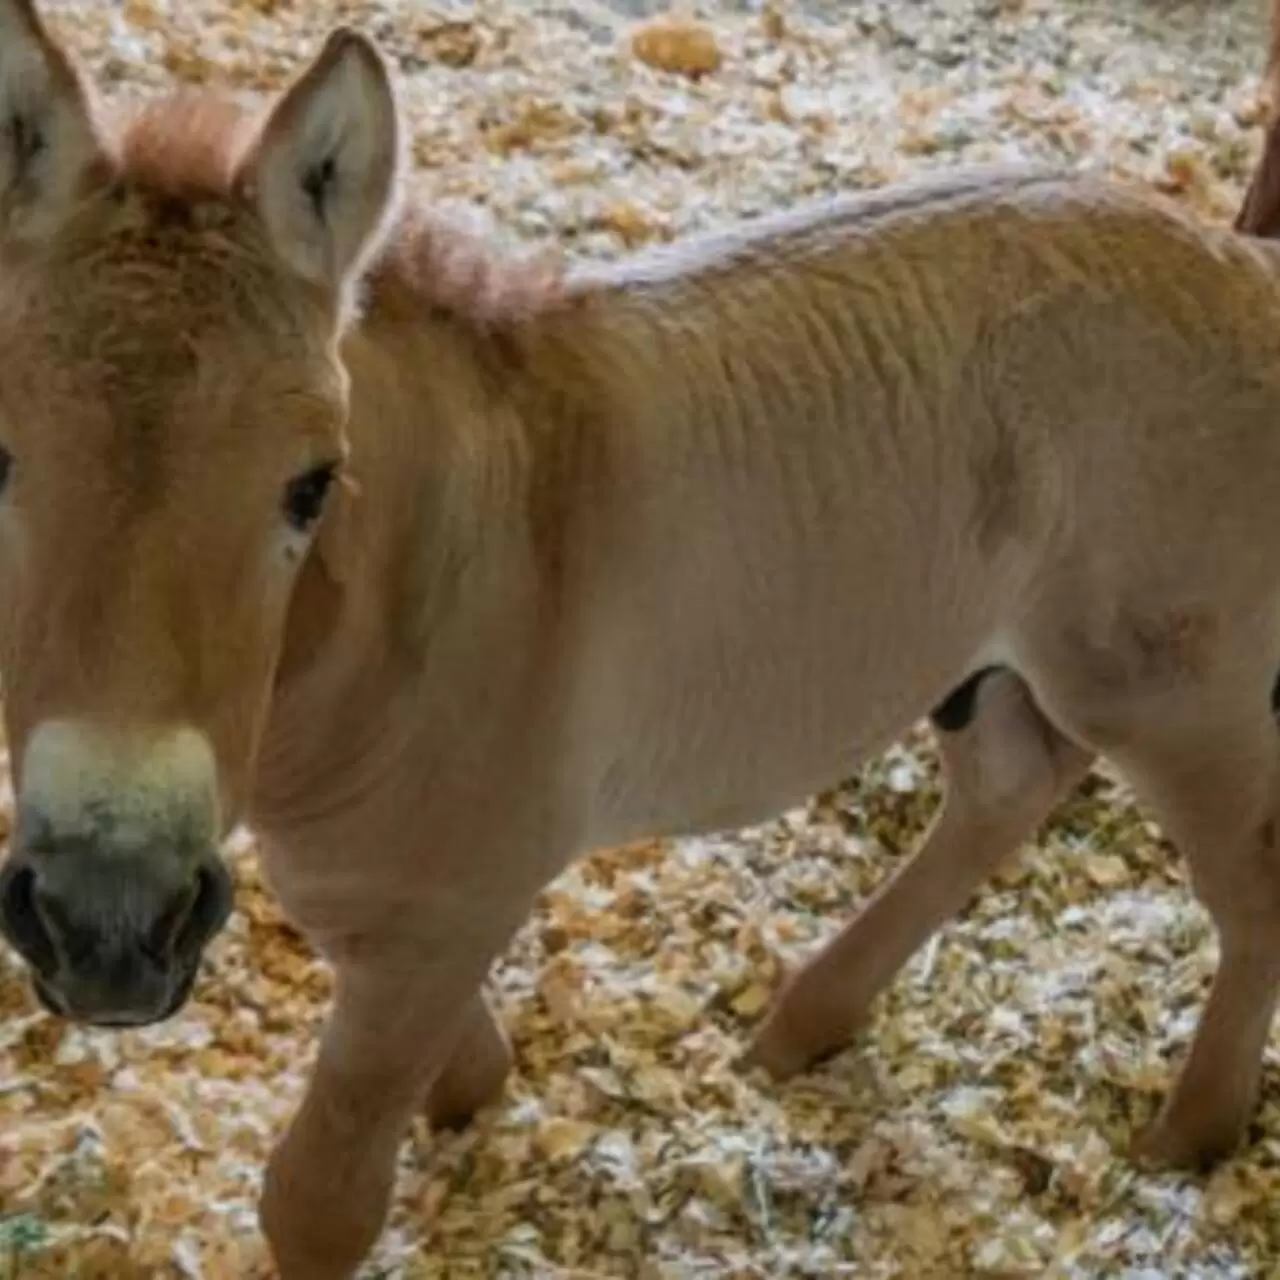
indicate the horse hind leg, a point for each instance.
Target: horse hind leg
{"x":1196,"y":739}
{"x":1215,"y":790}
{"x":1005,"y":767}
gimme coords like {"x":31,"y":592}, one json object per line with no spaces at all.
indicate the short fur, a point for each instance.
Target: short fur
{"x":632,"y":550}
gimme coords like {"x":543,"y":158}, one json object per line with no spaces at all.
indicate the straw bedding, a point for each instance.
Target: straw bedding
{"x":978,"y":1129}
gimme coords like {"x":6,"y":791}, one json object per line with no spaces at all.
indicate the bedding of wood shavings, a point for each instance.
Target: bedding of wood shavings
{"x":978,"y":1129}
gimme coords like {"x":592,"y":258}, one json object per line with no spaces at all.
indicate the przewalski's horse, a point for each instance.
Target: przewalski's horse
{"x":441,"y":571}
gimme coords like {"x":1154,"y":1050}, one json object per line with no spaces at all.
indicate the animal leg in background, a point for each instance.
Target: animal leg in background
{"x":1259,"y":213}
{"x":475,"y":1074}
{"x":1005,"y":768}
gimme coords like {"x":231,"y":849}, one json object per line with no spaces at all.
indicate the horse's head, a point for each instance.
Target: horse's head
{"x":172,"y":417}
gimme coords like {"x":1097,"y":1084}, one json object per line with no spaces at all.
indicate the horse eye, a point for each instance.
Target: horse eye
{"x":6,"y":466}
{"x":304,"y":495}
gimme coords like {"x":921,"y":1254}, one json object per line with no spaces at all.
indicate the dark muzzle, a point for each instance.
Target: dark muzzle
{"x":113,"y":938}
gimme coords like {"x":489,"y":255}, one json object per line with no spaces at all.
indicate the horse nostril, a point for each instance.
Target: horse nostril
{"x":24,"y":922}
{"x":208,"y":910}
{"x":162,"y":937}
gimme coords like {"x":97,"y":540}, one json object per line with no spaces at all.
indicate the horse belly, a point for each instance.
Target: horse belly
{"x":725,"y":702}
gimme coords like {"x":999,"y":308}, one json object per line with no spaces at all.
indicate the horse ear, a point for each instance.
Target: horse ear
{"x":323,"y":172}
{"x":50,"y":148}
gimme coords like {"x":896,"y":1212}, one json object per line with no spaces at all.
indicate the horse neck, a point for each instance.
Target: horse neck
{"x":425,"y":555}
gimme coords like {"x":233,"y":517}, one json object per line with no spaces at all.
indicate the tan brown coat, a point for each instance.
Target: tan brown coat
{"x":642,"y":549}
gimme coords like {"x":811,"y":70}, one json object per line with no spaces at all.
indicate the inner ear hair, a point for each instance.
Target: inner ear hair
{"x":318,"y":182}
{"x":25,"y":139}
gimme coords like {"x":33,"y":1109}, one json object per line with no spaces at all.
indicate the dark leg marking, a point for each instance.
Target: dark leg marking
{"x":956,"y":710}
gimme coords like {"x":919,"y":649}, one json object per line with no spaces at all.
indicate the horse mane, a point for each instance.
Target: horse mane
{"x":186,"y":146}
{"x":456,"y":271}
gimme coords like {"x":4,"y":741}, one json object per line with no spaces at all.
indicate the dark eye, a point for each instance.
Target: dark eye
{"x":304,"y":495}
{"x":6,"y":465}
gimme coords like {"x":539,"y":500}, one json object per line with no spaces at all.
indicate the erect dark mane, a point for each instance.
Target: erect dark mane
{"x":186,"y":145}
{"x":436,"y":262}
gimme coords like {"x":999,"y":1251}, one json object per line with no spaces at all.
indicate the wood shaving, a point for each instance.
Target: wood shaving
{"x":977,"y":1129}
{"x":679,"y":45}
